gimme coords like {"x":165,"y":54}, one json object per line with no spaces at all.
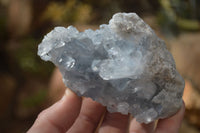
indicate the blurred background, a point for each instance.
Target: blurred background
{"x":28,"y":84}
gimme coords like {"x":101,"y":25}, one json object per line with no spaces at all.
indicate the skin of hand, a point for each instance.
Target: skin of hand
{"x":73,"y":114}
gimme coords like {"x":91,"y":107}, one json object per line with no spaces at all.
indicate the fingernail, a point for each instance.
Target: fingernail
{"x":183,"y":101}
{"x":68,"y":92}
{"x":183,"y":104}
{"x":65,"y":95}
{"x":63,"y":98}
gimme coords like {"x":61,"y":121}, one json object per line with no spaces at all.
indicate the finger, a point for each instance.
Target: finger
{"x":172,"y":124}
{"x":114,"y":123}
{"x":88,"y":118}
{"x":56,"y":87}
{"x":136,"y":127}
{"x":59,"y":117}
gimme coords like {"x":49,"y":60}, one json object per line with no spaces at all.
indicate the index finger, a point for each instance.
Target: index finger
{"x":59,"y":117}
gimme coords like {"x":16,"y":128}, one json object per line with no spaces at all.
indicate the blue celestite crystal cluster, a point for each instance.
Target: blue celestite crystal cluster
{"x":122,"y":65}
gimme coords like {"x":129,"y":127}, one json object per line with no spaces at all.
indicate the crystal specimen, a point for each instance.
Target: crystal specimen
{"x":122,"y":65}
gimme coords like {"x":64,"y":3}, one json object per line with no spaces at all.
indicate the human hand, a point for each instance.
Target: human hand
{"x":75,"y":115}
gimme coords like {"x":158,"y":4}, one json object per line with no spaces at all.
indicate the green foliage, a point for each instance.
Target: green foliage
{"x":35,"y":99}
{"x":176,"y":15}
{"x":28,"y":60}
{"x":71,"y":11}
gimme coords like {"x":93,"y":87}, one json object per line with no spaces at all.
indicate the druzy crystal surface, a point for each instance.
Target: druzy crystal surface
{"x":122,"y":65}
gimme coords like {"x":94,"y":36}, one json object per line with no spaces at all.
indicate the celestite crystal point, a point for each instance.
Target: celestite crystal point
{"x":122,"y":65}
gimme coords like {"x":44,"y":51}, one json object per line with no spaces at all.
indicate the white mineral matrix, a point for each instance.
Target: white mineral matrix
{"x":122,"y":65}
